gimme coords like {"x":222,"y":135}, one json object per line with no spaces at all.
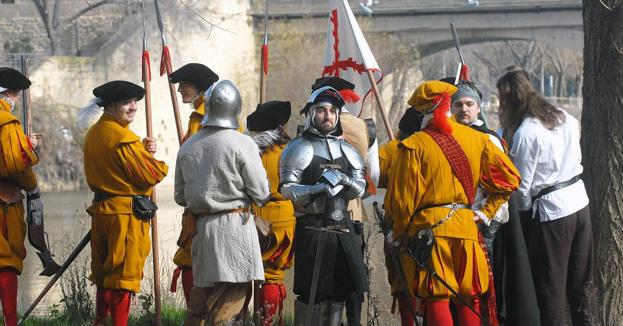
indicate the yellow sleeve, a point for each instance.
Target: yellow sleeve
{"x":404,"y":190}
{"x":17,"y":157}
{"x":385,"y":154}
{"x":142,"y":170}
{"x":499,"y":178}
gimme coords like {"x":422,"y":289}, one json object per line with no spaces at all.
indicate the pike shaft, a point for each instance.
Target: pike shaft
{"x":83,"y":243}
{"x":154,"y":220}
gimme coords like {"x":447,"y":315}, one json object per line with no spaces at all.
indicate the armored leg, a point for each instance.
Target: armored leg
{"x":328,"y":313}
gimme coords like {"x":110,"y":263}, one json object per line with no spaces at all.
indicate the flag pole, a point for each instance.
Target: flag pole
{"x":154,"y":221}
{"x":379,"y":104}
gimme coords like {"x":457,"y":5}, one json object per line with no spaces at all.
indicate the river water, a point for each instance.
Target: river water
{"x":66,"y":222}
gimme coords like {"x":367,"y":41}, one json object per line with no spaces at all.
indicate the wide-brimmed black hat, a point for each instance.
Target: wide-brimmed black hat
{"x":411,"y":121}
{"x":335,"y":82}
{"x":344,"y":87}
{"x":13,"y":79}
{"x":269,"y":116}
{"x":118,"y":90}
{"x":197,"y":74}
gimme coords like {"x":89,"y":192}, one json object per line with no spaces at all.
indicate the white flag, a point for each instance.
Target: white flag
{"x":348,"y":55}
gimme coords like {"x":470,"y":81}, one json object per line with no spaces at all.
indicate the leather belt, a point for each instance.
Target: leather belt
{"x":555,"y":187}
{"x":102,"y":195}
{"x":226,"y":211}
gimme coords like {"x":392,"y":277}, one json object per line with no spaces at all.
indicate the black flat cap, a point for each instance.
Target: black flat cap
{"x":411,"y":121}
{"x":269,"y":116}
{"x":118,"y":90}
{"x":13,"y":79}
{"x":197,"y":74}
{"x":335,"y":82}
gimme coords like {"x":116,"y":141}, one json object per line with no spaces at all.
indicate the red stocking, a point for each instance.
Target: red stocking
{"x":438,"y":313}
{"x":406,"y":316}
{"x":120,"y":307}
{"x":8,"y":295}
{"x":270,"y":301}
{"x":187,"y":282}
{"x":468,"y":317}
{"x":102,"y":305}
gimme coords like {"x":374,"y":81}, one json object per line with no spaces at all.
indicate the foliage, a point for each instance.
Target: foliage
{"x":60,"y":150}
{"x":77,"y":301}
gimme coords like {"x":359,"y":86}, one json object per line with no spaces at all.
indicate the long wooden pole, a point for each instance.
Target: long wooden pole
{"x":379,"y":102}
{"x":154,"y":220}
{"x":166,"y":57}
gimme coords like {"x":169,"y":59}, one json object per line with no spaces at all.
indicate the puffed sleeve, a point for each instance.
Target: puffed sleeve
{"x":404,"y":190}
{"x":385,"y":154}
{"x":499,"y":178}
{"x":142,"y":170}
{"x":17,"y":157}
{"x":525,"y":153}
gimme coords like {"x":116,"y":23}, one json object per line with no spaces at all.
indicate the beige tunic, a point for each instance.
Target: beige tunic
{"x":218,"y":170}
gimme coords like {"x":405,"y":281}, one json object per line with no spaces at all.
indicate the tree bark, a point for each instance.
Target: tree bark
{"x":602,"y":147}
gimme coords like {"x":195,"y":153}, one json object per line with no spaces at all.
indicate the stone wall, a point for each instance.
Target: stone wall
{"x":69,"y":80}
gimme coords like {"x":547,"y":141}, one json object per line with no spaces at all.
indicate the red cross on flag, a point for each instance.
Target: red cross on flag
{"x":348,"y":55}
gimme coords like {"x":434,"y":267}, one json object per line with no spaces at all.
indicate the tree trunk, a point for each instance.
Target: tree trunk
{"x":602,"y":146}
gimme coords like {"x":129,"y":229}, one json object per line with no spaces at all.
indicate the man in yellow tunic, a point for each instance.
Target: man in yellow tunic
{"x":118,"y":167}
{"x":194,"y":79}
{"x":410,"y":122}
{"x":16,"y":160}
{"x":266,"y":126}
{"x":429,"y":191}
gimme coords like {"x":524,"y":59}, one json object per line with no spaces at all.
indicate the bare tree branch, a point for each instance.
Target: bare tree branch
{"x":84,"y":11}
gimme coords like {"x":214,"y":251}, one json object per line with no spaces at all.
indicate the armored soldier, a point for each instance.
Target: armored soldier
{"x":218,"y":175}
{"x":16,"y":160}
{"x":121,"y":171}
{"x":266,"y":127}
{"x":194,"y":79}
{"x":320,"y":173}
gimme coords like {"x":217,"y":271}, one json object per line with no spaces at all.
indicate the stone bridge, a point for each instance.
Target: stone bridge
{"x":425,"y":23}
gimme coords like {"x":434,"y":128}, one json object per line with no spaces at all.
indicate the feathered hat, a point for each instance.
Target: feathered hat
{"x":434,"y":97}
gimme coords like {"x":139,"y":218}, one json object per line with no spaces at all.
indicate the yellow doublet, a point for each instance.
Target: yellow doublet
{"x":116,"y":162}
{"x":16,"y":161}
{"x":280,"y":213}
{"x":387,"y":153}
{"x":421,"y":177}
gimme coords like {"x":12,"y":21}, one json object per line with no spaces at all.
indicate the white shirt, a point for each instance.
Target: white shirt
{"x":547,"y":157}
{"x":479,"y":198}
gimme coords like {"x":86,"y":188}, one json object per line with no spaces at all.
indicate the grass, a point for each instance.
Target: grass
{"x":171,"y":316}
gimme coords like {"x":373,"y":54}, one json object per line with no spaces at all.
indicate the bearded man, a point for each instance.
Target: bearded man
{"x":320,"y":173}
